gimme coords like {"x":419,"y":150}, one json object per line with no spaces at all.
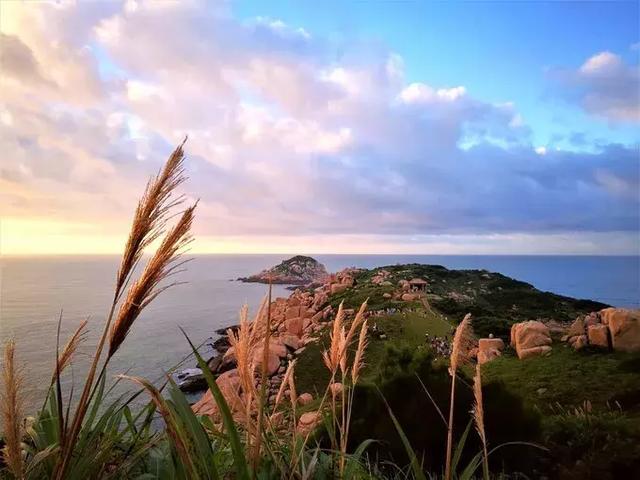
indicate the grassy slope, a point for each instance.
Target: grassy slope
{"x":569,"y":377}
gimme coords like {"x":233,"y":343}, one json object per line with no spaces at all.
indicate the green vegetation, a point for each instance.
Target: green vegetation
{"x":570,"y":378}
{"x":529,"y":400}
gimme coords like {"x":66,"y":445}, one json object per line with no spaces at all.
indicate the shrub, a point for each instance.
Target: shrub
{"x":600,"y":445}
{"x":506,"y":417}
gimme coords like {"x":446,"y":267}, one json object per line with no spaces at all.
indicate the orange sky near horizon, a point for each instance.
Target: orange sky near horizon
{"x":36,"y":236}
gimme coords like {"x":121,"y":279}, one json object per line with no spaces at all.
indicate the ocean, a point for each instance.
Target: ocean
{"x":35,"y":291}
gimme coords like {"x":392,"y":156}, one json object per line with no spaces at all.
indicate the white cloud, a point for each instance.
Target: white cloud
{"x":285,"y":136}
{"x":421,"y":93}
{"x":603,"y":62}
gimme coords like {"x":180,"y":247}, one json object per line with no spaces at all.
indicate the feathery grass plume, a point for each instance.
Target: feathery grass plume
{"x":241,"y":343}
{"x":289,"y":373}
{"x":478,"y":418}
{"x":462,"y":342}
{"x":148,"y":224}
{"x":358,"y":361}
{"x":64,"y":359}
{"x":173,"y":431}
{"x":331,"y":357}
{"x":150,"y":215}
{"x":262,"y":401}
{"x":161,"y":266}
{"x":357,"y":321}
{"x":11,"y":408}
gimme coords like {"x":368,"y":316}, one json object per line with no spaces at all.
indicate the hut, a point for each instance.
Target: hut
{"x":418,"y":285}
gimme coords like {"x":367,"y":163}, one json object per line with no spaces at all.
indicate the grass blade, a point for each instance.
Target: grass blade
{"x":237,"y":448}
{"x":415,"y":465}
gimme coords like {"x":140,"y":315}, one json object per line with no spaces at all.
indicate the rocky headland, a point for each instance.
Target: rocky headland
{"x":298,"y":270}
{"x":418,"y":304}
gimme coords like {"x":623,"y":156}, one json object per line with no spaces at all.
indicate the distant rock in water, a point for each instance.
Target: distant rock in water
{"x":298,"y":270}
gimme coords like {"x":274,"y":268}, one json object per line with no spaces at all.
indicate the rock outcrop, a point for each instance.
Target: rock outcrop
{"x":229,"y":384}
{"x":530,"y":339}
{"x":295,"y":322}
{"x":611,"y":328}
{"x":624,"y":326}
{"x":298,"y":270}
{"x":488,"y":349}
{"x":308,"y":422}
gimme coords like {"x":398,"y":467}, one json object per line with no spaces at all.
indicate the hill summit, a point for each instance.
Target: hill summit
{"x":298,"y":270}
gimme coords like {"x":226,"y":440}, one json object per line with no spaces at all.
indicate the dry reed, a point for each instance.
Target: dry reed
{"x":65,"y":358}
{"x":11,"y":411}
{"x":161,"y":266}
{"x":478,"y":417}
{"x":358,"y":361}
{"x":149,"y":224}
{"x":150,"y":216}
{"x":462,"y":342}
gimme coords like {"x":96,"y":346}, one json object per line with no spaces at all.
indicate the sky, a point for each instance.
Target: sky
{"x":333,"y":127}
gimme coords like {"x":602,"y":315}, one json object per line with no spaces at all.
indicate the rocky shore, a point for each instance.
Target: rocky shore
{"x":296,"y":322}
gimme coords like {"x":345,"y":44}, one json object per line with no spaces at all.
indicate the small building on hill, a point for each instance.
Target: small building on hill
{"x":418,"y":285}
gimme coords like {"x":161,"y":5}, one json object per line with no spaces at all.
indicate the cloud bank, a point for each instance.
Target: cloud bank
{"x":289,"y":134}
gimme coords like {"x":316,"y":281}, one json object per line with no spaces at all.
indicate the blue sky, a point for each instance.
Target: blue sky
{"x":338,"y":127}
{"x":501,"y":51}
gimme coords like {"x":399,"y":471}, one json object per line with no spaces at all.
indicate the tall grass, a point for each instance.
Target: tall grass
{"x":97,"y":435}
{"x":11,"y":411}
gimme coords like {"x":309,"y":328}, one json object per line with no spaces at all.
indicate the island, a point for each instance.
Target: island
{"x":297,"y":270}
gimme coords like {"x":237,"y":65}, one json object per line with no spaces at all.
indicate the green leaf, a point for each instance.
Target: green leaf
{"x":237,"y":448}
{"x":460,"y":447}
{"x":415,"y":465}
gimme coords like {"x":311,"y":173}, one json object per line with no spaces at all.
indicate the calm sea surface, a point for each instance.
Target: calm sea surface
{"x":34,"y":290}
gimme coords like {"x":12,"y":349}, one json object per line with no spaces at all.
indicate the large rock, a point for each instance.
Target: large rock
{"x":598,"y":335}
{"x":579,"y":342}
{"x":490,"y":343}
{"x":488,"y":349}
{"x":273,"y":362}
{"x":191,"y":380}
{"x":295,"y":326}
{"x":410,"y":297}
{"x":277,"y":347}
{"x":534,"y":352}
{"x":528,"y":337}
{"x":229,"y":384}
{"x":308,"y":422}
{"x":624,"y":326}
{"x":576,"y":328}
{"x":292,"y":312}
{"x":291,"y":341}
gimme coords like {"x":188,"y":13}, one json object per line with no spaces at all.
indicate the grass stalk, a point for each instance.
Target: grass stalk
{"x":11,"y":411}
